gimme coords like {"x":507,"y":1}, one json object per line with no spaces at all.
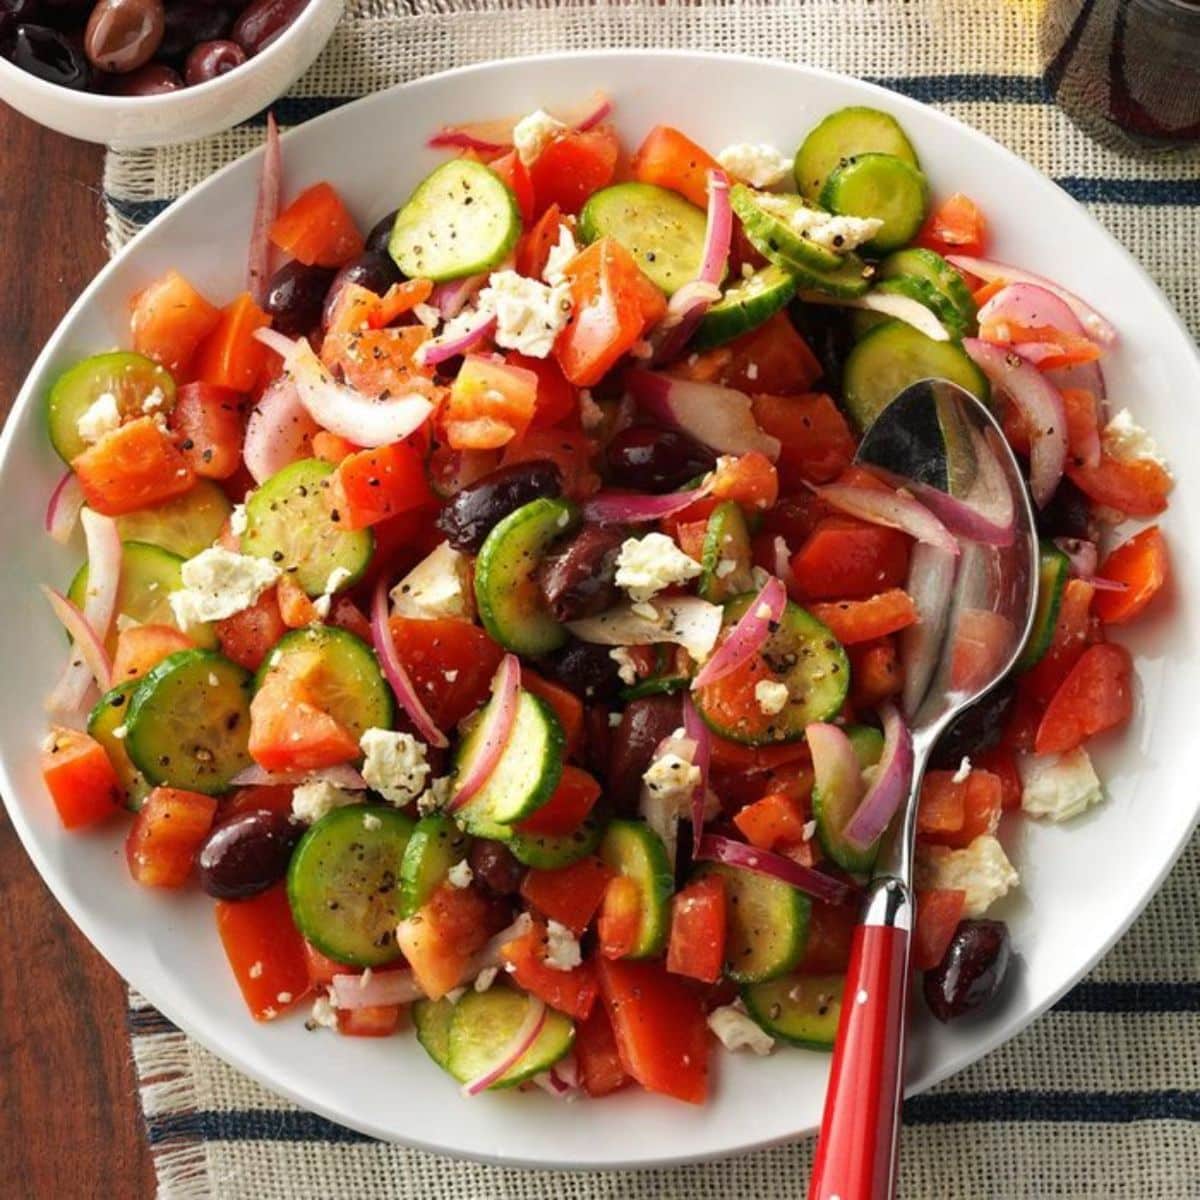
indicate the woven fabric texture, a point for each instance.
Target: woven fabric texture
{"x":1100,"y":1099}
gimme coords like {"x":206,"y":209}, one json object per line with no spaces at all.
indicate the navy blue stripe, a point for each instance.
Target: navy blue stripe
{"x":1131,"y":997}
{"x":251,"y":1125}
{"x":950,"y":89}
{"x":1132,"y":191}
{"x":1106,"y":1108}
{"x":140,"y":212}
{"x":144,"y":1021}
{"x":295,"y":110}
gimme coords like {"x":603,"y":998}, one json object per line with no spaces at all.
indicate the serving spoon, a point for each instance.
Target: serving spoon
{"x":976,"y":611}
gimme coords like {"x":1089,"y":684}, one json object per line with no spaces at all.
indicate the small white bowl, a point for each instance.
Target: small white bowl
{"x":129,"y":122}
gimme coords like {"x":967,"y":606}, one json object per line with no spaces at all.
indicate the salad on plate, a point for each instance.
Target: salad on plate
{"x":490,"y":614}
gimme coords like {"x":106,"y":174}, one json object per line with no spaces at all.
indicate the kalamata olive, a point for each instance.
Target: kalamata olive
{"x":584,"y":668}
{"x":375,"y":272}
{"x":1068,"y":514}
{"x":469,"y":516}
{"x":644,"y":724}
{"x":210,"y":60}
{"x":295,"y":295}
{"x":262,"y":21}
{"x":972,"y":970}
{"x":976,"y":729}
{"x":21,"y":11}
{"x":153,"y":79}
{"x":495,"y":868}
{"x":49,"y":55}
{"x":381,"y":233}
{"x":123,"y":35}
{"x":187,"y":24}
{"x":247,"y":854}
{"x":645,"y":459}
{"x":578,"y":579}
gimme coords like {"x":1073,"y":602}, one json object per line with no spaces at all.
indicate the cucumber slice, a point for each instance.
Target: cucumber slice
{"x":189,"y":722}
{"x":431,"y":1020}
{"x":149,"y":574}
{"x":484,"y":1023}
{"x":842,"y":135}
{"x":766,"y":221}
{"x":893,"y":355}
{"x":436,"y":845}
{"x":104,"y":722}
{"x":461,"y":220}
{"x":726,"y":556}
{"x":342,"y":883}
{"x":923,"y":292}
{"x":289,"y":522}
{"x":506,"y":589}
{"x":526,"y":775}
{"x":881,"y":186}
{"x":185,"y":526}
{"x":802,"y":1010}
{"x":634,"y":850}
{"x":801,"y":653}
{"x":1054,"y":569}
{"x":129,"y":378}
{"x":663,"y":232}
{"x":548,"y":851}
{"x":767,"y":924}
{"x":346,"y":680}
{"x":832,"y":811}
{"x":917,"y":262}
{"x":745,"y":306}
{"x":867,"y":742}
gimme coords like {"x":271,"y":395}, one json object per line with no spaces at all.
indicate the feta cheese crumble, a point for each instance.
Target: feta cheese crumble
{"x":435,"y":797}
{"x":218,"y":583}
{"x":337,"y":577}
{"x":562,"y":948}
{"x":315,"y":798}
{"x":736,"y":1030}
{"x":427,"y":315}
{"x":756,"y":163}
{"x":532,"y":132}
{"x":529,"y":315}
{"x":324,"y":1015}
{"x":395,"y":764}
{"x":560,"y":254}
{"x":626,"y":667}
{"x":101,"y":417}
{"x":648,"y":564}
{"x":982,"y":870}
{"x":838,"y":234}
{"x":238,"y":521}
{"x":438,"y":586}
{"x":371,"y":822}
{"x":672,"y":779}
{"x":486,"y":978}
{"x":1058,"y":786}
{"x":772,"y":697}
{"x":154,"y":401}
{"x":963,"y":772}
{"x":1126,"y":440}
{"x":460,"y":875}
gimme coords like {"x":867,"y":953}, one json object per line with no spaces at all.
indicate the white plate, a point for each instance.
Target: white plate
{"x":1081,"y":884}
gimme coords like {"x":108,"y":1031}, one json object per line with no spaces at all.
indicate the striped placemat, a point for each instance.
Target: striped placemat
{"x":1100,"y":1099}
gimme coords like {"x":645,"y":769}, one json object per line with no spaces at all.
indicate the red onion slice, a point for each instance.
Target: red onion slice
{"x":487,"y":137}
{"x":278,"y":432}
{"x":103,"y":543}
{"x":393,"y":668}
{"x":714,"y":848}
{"x":521,"y":1041}
{"x":685,"y":621}
{"x":930,"y":577}
{"x":562,"y":1080}
{"x":616,"y":508}
{"x":499,"y":718}
{"x":64,"y":507}
{"x":595,"y":109}
{"x":1084,"y":556}
{"x":452,"y":297}
{"x":340,"y":409}
{"x":343,"y":775}
{"x":380,"y":987}
{"x":450,"y":345}
{"x":89,"y":660}
{"x":890,"y":787}
{"x":893,"y":509}
{"x":781,"y":558}
{"x":835,"y":765}
{"x":266,"y":209}
{"x":701,"y":735}
{"x":1040,"y":405}
{"x":748,"y":636}
{"x":903,"y":308}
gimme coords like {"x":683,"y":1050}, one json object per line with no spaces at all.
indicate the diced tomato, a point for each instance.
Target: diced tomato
{"x":982,"y":803}
{"x":372,"y":1020}
{"x":660,"y":1027}
{"x":854,"y":621}
{"x":288,"y":732}
{"x":372,"y":485}
{"x":273,"y":797}
{"x":697,"y":512}
{"x":208,"y":425}
{"x":345,"y":614}
{"x":317,"y":228}
{"x":939,"y":911}
{"x":440,"y":940}
{"x":696,"y":947}
{"x":1071,"y":636}
{"x":265,"y":951}
{"x":381,"y":363}
{"x":669,"y":159}
{"x":1141,"y":563}
{"x":690,"y":535}
{"x":489,"y":404}
{"x":614,"y":304}
{"x":600,"y":1069}
{"x":569,"y":895}
{"x":322,"y":969}
{"x":1096,"y":695}
{"x":136,"y":466}
{"x":166,"y":833}
{"x":450,"y":662}
{"x":956,"y":226}
{"x":399,"y":299}
{"x":775,"y":820}
{"x":942,"y":806}
{"x":534,"y":247}
{"x":570,"y":450}
{"x":557,"y":398}
{"x":573,"y":992}
{"x":572,"y":166}
{"x":140,"y":648}
{"x":331,"y":447}
{"x":983,"y":294}
{"x":247,"y":637}
{"x":847,"y":559}
{"x":169,"y":320}
{"x":564,"y":812}
{"x":737,"y":756}
{"x":817,"y":443}
{"x":568,"y":708}
{"x":982,"y":639}
{"x":231,"y":356}
{"x":80,"y":778}
{"x":772,"y":359}
{"x":1082,"y":419}
{"x":296,"y":609}
{"x":749,"y":479}
{"x":351,"y":313}
{"x":515,"y":174}
{"x":620,"y":917}
{"x":1002,"y":762}
{"x":1137,"y":487}
{"x":795,"y":517}
{"x":875,"y":672}
{"x":830,"y":932}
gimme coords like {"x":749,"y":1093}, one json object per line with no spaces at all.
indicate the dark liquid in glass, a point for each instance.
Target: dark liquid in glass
{"x":1128,"y":71}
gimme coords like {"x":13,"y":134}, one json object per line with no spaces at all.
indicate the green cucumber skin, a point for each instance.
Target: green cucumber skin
{"x":464,"y":1059}
{"x":431,"y":1020}
{"x":745,"y":306}
{"x":1054,"y":568}
{"x":842,"y":193}
{"x":549,"y":852}
{"x":842,"y":134}
{"x":920,"y":263}
{"x":774,"y":1008}
{"x":634,"y":850}
{"x":773,"y":237}
{"x":110,"y":713}
{"x":185,"y":526}
{"x":435,"y":847}
{"x":789,"y":924}
{"x":726,"y":538}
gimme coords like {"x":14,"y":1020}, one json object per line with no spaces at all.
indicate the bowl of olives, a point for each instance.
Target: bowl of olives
{"x":135,"y":73}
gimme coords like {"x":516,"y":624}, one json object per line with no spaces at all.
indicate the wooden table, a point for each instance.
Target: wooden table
{"x":70,"y":1125}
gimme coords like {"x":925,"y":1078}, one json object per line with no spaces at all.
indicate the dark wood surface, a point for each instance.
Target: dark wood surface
{"x":70,"y":1125}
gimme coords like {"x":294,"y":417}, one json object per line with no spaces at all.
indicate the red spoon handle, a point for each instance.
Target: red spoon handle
{"x":856,"y":1153}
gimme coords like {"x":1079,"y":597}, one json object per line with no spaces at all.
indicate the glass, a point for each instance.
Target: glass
{"x":1127,"y":71}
